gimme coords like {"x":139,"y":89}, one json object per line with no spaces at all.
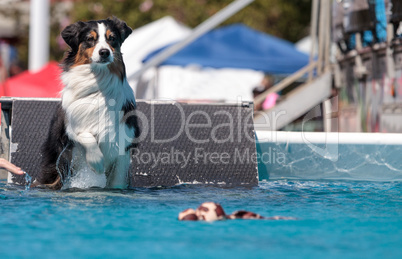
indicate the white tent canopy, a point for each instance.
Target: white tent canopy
{"x":182,"y":83}
{"x":304,"y":45}
{"x":148,"y":38}
{"x":193,"y":82}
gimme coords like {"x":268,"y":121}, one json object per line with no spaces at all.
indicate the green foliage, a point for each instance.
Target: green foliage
{"x":287,"y":19}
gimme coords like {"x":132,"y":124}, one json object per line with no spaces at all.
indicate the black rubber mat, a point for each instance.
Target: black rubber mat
{"x":30,"y":124}
{"x":179,"y":143}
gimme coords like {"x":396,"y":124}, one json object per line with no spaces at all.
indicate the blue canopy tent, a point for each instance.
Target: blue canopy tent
{"x":238,"y":46}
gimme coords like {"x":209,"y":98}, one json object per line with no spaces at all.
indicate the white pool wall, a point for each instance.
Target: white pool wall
{"x":330,"y":137}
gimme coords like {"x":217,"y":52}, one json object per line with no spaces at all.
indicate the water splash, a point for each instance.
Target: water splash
{"x":74,"y":171}
{"x":28,"y":181}
{"x":63,"y":165}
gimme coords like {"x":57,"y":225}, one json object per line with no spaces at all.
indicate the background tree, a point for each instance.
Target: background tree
{"x":287,"y":19}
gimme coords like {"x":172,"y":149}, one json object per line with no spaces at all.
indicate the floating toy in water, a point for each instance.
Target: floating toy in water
{"x":188,"y":214}
{"x":211,"y":211}
{"x":243,"y":214}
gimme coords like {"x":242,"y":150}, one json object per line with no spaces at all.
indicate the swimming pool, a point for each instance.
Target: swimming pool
{"x":335,"y":219}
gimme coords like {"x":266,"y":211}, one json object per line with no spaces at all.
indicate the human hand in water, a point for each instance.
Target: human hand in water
{"x":10,"y":167}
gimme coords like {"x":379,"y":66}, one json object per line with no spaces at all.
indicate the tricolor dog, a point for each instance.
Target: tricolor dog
{"x":95,"y":118}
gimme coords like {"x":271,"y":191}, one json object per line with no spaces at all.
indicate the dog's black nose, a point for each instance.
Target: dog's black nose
{"x":104,"y":53}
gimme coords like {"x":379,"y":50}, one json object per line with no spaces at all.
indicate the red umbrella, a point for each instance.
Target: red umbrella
{"x":44,"y":83}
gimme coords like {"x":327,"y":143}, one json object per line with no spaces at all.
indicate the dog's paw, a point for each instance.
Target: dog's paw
{"x":95,"y":161}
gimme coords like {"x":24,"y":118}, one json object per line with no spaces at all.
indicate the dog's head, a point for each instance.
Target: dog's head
{"x":95,"y":42}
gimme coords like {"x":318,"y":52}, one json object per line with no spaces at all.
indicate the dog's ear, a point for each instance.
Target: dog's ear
{"x":71,"y":34}
{"x":124,"y":30}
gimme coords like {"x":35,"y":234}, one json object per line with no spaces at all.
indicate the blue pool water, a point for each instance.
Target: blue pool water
{"x":336,"y":219}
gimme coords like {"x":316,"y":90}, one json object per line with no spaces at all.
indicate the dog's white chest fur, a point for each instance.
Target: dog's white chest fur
{"x":93,"y":99}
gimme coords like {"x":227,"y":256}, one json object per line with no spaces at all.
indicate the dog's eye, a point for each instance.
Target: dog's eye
{"x":112,"y":38}
{"x":90,"y":38}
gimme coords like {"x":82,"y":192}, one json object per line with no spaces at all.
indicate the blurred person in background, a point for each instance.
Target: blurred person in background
{"x":9,"y":65}
{"x":270,"y":101}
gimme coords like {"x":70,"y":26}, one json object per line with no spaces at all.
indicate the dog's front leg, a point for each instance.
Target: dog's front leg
{"x":93,"y":154}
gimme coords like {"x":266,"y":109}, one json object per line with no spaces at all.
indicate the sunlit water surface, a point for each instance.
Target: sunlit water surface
{"x":336,"y":219}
